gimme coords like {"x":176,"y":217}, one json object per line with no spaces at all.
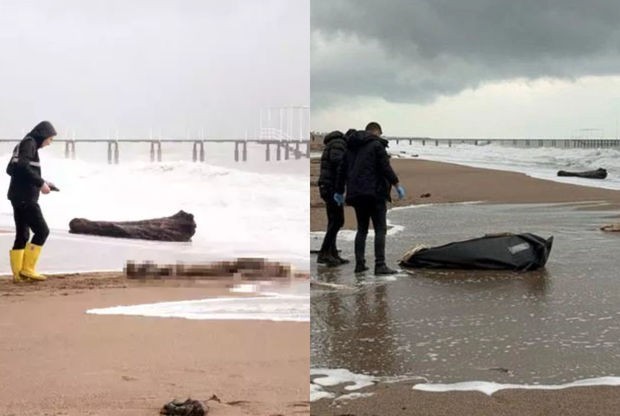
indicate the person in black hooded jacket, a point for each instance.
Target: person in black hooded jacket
{"x":24,"y":189}
{"x":333,"y":152}
{"x":366,"y":173}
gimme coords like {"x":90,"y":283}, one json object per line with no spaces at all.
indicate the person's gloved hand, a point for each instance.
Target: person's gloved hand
{"x":339,"y":198}
{"x":400,"y":191}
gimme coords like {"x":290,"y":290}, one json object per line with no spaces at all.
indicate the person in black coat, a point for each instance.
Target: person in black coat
{"x":367,"y":175}
{"x":333,"y":152}
{"x":24,"y":189}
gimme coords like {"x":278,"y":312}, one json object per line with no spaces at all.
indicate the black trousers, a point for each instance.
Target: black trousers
{"x":335,"y":221}
{"x":28,"y":216}
{"x":365,"y":212}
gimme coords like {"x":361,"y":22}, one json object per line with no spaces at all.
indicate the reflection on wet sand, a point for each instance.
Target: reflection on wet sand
{"x":552,"y":325}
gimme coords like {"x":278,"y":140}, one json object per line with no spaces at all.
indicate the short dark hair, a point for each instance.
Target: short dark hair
{"x":373,"y":126}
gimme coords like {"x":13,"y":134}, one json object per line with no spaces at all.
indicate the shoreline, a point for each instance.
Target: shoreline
{"x":449,"y":184}
{"x":65,"y":361}
{"x":401,"y":399}
{"x":452,"y":183}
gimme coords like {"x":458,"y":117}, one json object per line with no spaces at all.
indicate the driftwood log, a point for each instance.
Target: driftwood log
{"x":611,"y":227}
{"x":178,"y":227}
{"x":247,"y":268}
{"x":599,"y":173}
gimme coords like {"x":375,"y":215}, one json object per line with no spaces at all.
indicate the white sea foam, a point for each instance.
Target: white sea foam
{"x":353,"y":396}
{"x":317,"y":393}
{"x":245,"y":288}
{"x":240,"y":212}
{"x":333,"y":377}
{"x":490,"y":388}
{"x":329,"y":377}
{"x":272,"y":307}
{"x":322,"y":379}
{"x":349,"y":235}
{"x":325,"y":378}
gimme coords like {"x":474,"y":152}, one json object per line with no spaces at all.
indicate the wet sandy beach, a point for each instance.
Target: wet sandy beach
{"x":552,"y":326}
{"x":549,"y":326}
{"x":63,"y":361}
{"x":447,"y":183}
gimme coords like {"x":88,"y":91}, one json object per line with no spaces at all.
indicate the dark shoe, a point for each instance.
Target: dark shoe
{"x":360,"y":268}
{"x":383,"y":270}
{"x":334,"y":253}
{"x":328,"y":260}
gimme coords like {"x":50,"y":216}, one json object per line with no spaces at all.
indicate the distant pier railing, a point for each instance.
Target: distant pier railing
{"x":284,"y":149}
{"x":516,"y":142}
{"x":570,"y":143}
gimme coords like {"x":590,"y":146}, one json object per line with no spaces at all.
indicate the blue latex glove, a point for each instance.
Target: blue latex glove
{"x":339,"y":198}
{"x":400,"y":191}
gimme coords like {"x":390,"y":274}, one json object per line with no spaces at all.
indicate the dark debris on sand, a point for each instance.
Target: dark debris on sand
{"x":187,"y":408}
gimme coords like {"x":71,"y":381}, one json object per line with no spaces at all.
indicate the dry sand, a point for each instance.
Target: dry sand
{"x":455,"y":183}
{"x":57,"y":360}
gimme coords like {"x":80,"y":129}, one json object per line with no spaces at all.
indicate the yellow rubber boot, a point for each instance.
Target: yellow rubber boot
{"x":17,"y":260}
{"x":31,"y":256}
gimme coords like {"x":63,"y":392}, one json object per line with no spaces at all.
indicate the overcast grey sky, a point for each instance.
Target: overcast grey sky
{"x":101,"y":65}
{"x":524,"y":68}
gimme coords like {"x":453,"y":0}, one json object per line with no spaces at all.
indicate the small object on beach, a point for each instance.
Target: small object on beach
{"x":187,"y":408}
{"x":500,"y":370}
{"x":611,"y":227}
{"x":178,"y":227}
{"x":426,"y":195}
{"x":518,"y":252}
{"x":599,"y":173}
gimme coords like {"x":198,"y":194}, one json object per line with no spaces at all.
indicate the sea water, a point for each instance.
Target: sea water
{"x":538,"y":162}
{"x":242,"y":209}
{"x":553,"y":327}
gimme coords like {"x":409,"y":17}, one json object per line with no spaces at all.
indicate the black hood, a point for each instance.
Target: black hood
{"x":336,"y":134}
{"x":42,"y":131}
{"x":359,"y":138}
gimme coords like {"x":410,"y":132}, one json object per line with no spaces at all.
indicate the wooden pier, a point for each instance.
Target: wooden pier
{"x":568,"y":143}
{"x":284,"y":149}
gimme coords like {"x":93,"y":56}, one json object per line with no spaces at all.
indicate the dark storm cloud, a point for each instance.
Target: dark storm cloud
{"x":413,"y":51}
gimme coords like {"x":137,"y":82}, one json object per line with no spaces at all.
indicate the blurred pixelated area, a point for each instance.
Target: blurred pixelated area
{"x":243,"y":268}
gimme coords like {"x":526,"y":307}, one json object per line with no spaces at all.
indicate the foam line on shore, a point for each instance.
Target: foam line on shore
{"x":434,"y":204}
{"x":334,"y":377}
{"x":489,"y":388}
{"x":324,"y":378}
{"x":349,"y":235}
{"x":271,"y":307}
